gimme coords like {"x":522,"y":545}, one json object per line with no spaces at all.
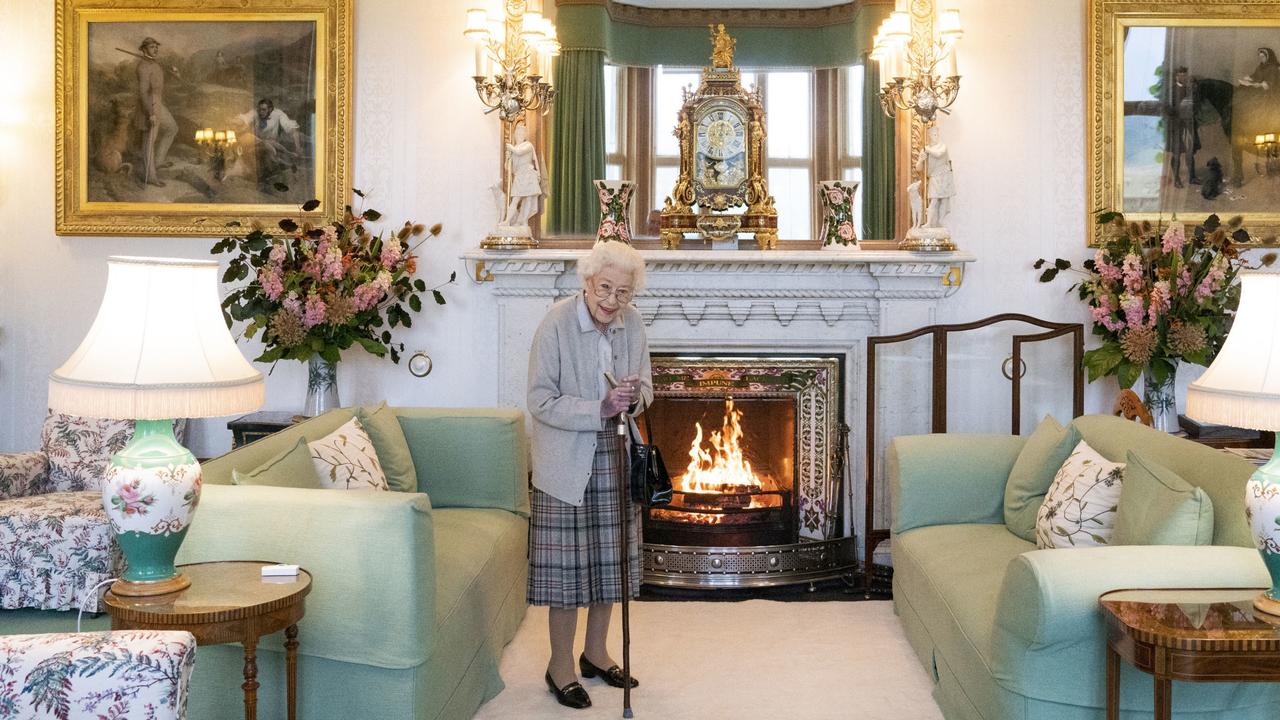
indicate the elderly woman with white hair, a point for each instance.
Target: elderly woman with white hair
{"x":579,"y":461}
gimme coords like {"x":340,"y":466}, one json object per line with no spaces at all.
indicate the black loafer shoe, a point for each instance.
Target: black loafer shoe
{"x":612,"y":676}
{"x":572,"y":695}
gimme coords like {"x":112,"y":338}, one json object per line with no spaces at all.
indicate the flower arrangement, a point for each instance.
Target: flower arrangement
{"x":1156,"y":296}
{"x":319,"y":289}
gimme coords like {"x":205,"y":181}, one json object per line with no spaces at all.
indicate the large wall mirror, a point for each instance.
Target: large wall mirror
{"x":620,"y":80}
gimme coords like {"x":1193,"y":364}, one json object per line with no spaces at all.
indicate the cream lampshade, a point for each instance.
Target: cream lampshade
{"x":158,"y":349}
{"x":1242,"y":389}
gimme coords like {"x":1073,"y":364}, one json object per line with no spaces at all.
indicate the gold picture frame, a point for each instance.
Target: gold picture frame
{"x":1190,"y":102}
{"x":175,"y":118}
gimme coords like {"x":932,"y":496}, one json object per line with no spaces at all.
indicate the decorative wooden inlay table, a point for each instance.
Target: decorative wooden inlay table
{"x":1191,"y":635}
{"x":227,"y":602}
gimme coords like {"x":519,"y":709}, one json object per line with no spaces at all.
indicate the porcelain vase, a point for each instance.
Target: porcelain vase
{"x":150,"y":493}
{"x":615,"y":208}
{"x":838,"y":230}
{"x":322,"y":387}
{"x":1160,"y":401}
{"x":1262,"y":508}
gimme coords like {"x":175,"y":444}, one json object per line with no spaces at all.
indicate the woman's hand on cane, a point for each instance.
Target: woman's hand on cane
{"x":617,"y":400}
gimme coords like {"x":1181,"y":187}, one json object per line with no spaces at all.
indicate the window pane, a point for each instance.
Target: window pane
{"x":789,"y":108}
{"x":791,"y":194}
{"x":748,"y":79}
{"x":853,"y":111}
{"x":611,"y":123}
{"x":669,"y":96}
{"x":613,"y":171}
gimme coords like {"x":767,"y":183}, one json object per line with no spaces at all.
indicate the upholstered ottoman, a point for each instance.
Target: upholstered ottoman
{"x":128,"y":674}
{"x":54,"y":547}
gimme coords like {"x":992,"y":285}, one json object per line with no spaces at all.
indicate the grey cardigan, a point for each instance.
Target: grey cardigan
{"x":564,"y":391}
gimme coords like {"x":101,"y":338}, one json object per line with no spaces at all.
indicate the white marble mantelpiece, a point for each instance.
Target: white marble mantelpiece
{"x":706,"y":301}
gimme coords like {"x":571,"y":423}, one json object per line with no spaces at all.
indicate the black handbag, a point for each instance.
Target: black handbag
{"x":650,"y":483}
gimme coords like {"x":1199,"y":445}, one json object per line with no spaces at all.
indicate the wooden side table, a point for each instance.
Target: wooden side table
{"x":227,"y":602}
{"x":1191,"y":635}
{"x":255,"y":426}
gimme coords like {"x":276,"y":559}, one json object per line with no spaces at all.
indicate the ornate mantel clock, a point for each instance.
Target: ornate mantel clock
{"x":721,"y":132}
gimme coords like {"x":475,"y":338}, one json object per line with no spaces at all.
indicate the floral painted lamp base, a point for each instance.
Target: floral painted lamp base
{"x":150,"y":494}
{"x":1262,"y":508}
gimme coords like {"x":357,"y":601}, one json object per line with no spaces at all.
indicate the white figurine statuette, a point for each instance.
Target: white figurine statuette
{"x":928,"y":229}
{"x":525,"y":187}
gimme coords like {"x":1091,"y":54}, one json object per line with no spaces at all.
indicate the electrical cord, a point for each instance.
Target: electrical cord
{"x":84,"y":599}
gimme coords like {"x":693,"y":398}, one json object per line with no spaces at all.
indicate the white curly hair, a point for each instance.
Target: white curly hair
{"x":613,"y":254}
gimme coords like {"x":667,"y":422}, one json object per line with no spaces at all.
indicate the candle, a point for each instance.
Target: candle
{"x":231,"y":137}
{"x":219,"y":136}
{"x":479,"y":59}
{"x":953,"y":70}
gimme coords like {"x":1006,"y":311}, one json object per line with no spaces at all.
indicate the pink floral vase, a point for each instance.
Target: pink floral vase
{"x":615,"y":209}
{"x":837,"y":213}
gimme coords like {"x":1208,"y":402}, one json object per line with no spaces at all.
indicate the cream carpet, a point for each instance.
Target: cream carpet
{"x":736,"y":661}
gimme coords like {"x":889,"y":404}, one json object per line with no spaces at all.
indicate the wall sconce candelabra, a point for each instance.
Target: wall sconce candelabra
{"x":216,"y":146}
{"x":916,"y":55}
{"x":1269,"y":153}
{"x":513,"y":58}
{"x":922,"y":77}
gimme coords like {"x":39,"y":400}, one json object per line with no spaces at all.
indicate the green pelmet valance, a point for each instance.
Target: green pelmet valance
{"x":845,"y":43}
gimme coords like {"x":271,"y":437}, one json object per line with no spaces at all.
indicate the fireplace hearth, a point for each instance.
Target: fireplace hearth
{"x":752,"y":445}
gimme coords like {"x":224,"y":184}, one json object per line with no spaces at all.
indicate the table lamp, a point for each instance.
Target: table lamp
{"x":158,"y":350}
{"x":1242,"y":389}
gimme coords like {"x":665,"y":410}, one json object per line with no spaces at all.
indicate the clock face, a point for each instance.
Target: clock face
{"x":721,"y":134}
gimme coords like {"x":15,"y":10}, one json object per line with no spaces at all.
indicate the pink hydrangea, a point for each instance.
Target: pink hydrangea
{"x":1184,"y":281}
{"x":391,"y":253}
{"x":314,"y":313}
{"x":1106,"y":270}
{"x":1211,"y":283}
{"x":278,"y":254}
{"x":1104,"y":314}
{"x":271,"y":282}
{"x":1132,"y":273}
{"x":366,"y":295}
{"x":1174,"y":238}
{"x":1134,"y":310}
{"x":1161,"y":301}
{"x":292,"y":304}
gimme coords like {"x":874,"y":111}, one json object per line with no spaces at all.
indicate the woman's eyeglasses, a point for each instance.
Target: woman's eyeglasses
{"x":603,"y":291}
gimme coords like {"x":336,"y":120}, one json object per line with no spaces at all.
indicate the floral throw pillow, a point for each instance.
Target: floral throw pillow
{"x":345,"y":459}
{"x":1080,"y":508}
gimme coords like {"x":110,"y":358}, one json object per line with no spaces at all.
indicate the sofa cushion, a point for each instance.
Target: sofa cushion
{"x":291,"y":468}
{"x":1079,"y":509}
{"x":1159,"y":508}
{"x":392,"y":448}
{"x":1221,"y":475}
{"x":1045,"y":451}
{"x":486,"y":464}
{"x":345,"y":459}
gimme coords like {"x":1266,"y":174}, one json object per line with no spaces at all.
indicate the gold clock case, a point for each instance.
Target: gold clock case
{"x":730,"y":186}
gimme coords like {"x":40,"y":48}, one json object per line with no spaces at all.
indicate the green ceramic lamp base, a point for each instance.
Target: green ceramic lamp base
{"x":150,"y":493}
{"x":1262,"y":501}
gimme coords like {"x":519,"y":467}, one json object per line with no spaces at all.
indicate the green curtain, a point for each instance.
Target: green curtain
{"x":878,"y":167}
{"x":577,"y":143}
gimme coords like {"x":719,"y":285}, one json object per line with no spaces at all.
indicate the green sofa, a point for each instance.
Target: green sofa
{"x":414,"y":594}
{"x":1008,"y":632}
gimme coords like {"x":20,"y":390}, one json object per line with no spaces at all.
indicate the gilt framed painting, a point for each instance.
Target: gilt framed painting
{"x":176,"y":118}
{"x":1184,"y":112}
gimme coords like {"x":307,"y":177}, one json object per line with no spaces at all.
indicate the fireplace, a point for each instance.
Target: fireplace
{"x":753,"y":445}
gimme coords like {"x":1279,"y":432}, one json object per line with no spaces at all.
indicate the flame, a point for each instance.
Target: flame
{"x":723,"y":467}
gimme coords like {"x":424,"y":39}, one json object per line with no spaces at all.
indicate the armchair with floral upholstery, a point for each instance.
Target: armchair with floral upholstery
{"x":57,"y":538}
{"x":126,"y":674}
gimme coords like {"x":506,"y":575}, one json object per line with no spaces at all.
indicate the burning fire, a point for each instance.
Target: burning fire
{"x":723,"y":468}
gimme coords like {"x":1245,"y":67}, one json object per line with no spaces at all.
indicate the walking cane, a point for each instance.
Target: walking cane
{"x":626,"y":579}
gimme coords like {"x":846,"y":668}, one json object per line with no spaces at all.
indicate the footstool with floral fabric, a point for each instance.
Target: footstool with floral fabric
{"x":127,"y":674}
{"x":55,"y":538}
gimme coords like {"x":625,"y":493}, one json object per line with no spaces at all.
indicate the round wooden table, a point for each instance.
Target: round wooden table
{"x":1191,"y":635}
{"x":227,"y":602}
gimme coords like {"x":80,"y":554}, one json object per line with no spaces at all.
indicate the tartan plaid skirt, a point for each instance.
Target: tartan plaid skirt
{"x":574,"y":559}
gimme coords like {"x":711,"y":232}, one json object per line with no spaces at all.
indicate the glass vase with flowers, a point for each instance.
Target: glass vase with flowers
{"x":315,"y":290}
{"x":1158,"y":296}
